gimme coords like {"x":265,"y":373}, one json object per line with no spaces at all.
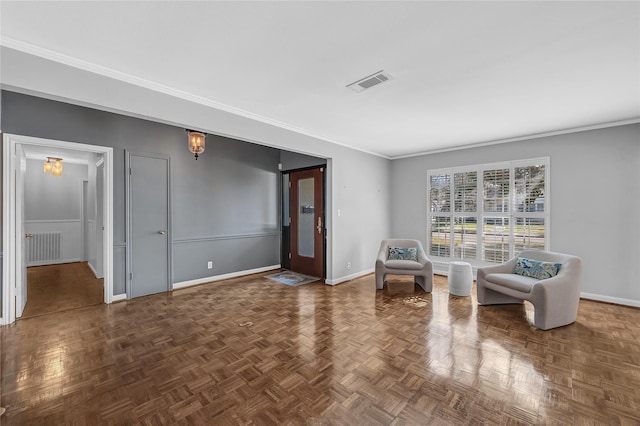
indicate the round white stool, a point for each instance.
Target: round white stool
{"x":460,"y":278}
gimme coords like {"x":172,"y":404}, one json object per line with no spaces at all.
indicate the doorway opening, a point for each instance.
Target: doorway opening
{"x":303,"y":221}
{"x":61,"y":287}
{"x":60,"y":238}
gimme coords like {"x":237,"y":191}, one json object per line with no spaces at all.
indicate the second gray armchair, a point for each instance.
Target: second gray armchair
{"x":420,"y":267}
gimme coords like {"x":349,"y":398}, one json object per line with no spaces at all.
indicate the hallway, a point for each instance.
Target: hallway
{"x":57,"y":288}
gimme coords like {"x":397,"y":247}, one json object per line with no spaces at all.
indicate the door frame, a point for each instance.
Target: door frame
{"x":83,"y":221}
{"x":129,"y":230}
{"x":12,"y":229}
{"x":325,"y":226}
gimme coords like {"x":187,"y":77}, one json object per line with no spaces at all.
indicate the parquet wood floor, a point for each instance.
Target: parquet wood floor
{"x":249,"y":351}
{"x":56,"y":288}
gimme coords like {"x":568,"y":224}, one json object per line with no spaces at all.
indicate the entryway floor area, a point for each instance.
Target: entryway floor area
{"x":57,"y":288}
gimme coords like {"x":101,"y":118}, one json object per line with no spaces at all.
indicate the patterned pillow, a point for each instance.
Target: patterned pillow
{"x":536,"y":269}
{"x":403,"y":253}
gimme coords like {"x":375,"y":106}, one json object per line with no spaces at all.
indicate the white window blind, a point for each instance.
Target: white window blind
{"x":488,"y":213}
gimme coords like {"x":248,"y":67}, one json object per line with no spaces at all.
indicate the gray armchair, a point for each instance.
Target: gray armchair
{"x":555,"y":299}
{"x":422,"y":270}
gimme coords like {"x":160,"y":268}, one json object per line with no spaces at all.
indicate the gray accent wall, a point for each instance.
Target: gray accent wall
{"x":357,"y":182}
{"x":294,"y":160}
{"x":595,"y":199}
{"x":230,"y":194}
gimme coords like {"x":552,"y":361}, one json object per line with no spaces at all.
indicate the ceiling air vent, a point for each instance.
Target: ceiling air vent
{"x":369,"y":81}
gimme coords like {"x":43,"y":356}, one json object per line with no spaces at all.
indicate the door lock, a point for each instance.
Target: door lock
{"x":28,"y":235}
{"x":163,"y":232}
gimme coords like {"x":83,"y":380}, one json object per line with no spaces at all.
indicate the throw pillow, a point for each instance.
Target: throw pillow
{"x":536,"y":268}
{"x":403,"y":253}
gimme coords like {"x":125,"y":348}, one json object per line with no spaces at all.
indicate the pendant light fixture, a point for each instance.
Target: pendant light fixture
{"x":196,"y":141}
{"x":53,"y":165}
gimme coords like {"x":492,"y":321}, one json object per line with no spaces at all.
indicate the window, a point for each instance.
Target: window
{"x":488,"y":213}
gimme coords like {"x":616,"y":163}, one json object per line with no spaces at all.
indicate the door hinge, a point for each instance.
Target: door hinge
{"x":130,"y":172}
{"x":130,"y":275}
{"x":289,"y":184}
{"x":321,"y":169}
{"x":289,"y":255}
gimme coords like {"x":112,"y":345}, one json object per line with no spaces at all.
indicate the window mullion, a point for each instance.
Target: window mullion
{"x":480,"y":216}
{"x":512,"y":202}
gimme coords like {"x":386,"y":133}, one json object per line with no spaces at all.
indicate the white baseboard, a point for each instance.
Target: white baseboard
{"x":119,"y":297}
{"x":53,"y":262}
{"x":204,"y":280}
{"x":95,"y":274}
{"x":442,"y":268}
{"x":350,"y":277}
{"x":610,"y":299}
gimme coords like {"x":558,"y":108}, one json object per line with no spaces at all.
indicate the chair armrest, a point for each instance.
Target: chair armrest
{"x":568,"y":280}
{"x":503,"y":268}
{"x":382,"y":254}
{"x":423,"y":258}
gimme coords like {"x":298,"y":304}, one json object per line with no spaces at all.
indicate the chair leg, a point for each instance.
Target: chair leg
{"x":424,"y":282}
{"x":552,"y":315}
{"x":380,"y":279}
{"x":489,"y":297}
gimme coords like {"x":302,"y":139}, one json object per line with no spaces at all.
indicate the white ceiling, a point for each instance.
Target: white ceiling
{"x":463,"y":72}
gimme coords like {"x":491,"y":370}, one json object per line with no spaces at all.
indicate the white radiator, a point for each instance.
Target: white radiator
{"x":42,"y":248}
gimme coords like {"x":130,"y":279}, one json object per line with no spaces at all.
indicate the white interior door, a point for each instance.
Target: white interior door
{"x":21,"y":241}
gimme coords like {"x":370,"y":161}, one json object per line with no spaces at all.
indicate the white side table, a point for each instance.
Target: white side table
{"x":460,"y":278}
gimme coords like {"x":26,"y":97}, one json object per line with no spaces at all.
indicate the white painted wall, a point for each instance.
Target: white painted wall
{"x":52,"y":204}
{"x":595,"y":200}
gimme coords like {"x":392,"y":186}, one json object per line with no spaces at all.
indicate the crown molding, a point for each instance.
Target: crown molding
{"x":161,"y":88}
{"x":524,"y":137}
{"x":150,"y":85}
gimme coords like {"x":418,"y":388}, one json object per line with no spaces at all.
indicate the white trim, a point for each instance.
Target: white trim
{"x":480,"y":215}
{"x":610,"y":299}
{"x":147,"y":84}
{"x":10,"y":142}
{"x":119,"y":297}
{"x":184,"y":284}
{"x":52,"y":221}
{"x":95,"y":274}
{"x":55,"y":262}
{"x":523,"y":138}
{"x":442,"y":267}
{"x":350,"y":277}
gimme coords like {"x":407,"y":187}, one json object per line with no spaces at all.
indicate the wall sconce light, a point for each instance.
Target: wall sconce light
{"x":53,"y":165}
{"x":196,"y":142}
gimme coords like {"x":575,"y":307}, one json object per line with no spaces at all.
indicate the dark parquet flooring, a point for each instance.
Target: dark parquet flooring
{"x":249,"y":351}
{"x":57,"y":288}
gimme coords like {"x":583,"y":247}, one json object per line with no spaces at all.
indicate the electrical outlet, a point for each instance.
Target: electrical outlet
{"x":348,"y":265}
{"x":210,"y":264}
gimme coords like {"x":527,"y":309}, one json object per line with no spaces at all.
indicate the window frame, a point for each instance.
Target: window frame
{"x":511,"y":215}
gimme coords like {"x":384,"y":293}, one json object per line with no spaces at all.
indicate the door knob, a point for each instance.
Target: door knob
{"x":162,"y":232}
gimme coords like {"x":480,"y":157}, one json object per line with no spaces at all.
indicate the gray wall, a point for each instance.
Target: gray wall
{"x":595,"y":199}
{"x":293,"y":160}
{"x":357,"y":182}
{"x":49,"y":197}
{"x":224,"y":205}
